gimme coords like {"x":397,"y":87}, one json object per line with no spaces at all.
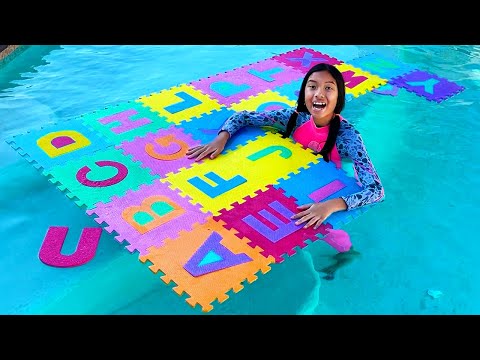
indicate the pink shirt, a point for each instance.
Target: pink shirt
{"x":313,"y":137}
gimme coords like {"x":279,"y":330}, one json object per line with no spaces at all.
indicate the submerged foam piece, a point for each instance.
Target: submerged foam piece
{"x":207,"y":225}
{"x":381,"y":66}
{"x":387,"y":89}
{"x":207,"y":246}
{"x":427,"y":85}
{"x":205,"y":128}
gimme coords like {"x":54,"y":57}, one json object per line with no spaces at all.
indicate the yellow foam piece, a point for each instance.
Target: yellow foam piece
{"x":159,"y":101}
{"x":254,"y":102}
{"x":260,"y":162}
{"x":372,"y":81}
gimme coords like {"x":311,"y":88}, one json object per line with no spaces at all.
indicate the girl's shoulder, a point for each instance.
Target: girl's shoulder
{"x":345,"y":125}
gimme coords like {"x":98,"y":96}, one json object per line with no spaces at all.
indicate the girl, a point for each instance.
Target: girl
{"x":315,"y":123}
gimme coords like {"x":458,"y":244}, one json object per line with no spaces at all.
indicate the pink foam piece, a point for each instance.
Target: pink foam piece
{"x":327,"y":190}
{"x":50,"y":251}
{"x":338,"y":239}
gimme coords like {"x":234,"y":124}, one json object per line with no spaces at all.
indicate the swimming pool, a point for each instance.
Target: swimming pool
{"x":418,"y":240}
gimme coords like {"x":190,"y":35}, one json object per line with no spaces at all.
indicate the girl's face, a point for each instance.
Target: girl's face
{"x":321,"y":95}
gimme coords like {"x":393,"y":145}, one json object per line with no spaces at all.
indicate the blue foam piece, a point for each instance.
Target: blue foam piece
{"x":289,"y":90}
{"x":381,"y":66}
{"x":205,"y":128}
{"x":301,"y":185}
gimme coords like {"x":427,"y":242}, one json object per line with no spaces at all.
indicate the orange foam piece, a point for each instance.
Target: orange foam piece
{"x":203,"y":290}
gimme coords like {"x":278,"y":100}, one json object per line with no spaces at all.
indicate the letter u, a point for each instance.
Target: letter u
{"x":50,"y":251}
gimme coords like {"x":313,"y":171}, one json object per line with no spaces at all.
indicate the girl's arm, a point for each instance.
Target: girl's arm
{"x":350,"y":145}
{"x":275,"y":118}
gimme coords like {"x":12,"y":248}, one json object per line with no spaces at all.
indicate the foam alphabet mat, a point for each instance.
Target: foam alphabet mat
{"x":212,"y":226}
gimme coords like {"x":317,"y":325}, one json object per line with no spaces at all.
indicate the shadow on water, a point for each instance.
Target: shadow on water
{"x":340,"y":260}
{"x":27,"y":59}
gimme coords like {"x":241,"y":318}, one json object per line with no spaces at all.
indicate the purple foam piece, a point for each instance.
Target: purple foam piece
{"x":387,"y":89}
{"x":430,"y":86}
{"x":241,"y":83}
{"x":162,"y":152}
{"x":50,"y":251}
{"x":141,"y":237}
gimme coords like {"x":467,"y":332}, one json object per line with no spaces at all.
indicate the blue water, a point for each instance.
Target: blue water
{"x":422,"y":237}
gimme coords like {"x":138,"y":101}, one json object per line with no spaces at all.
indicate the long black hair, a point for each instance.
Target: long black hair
{"x":301,"y":107}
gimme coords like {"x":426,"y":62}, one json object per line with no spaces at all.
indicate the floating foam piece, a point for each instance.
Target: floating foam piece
{"x":427,"y":85}
{"x":50,"y":251}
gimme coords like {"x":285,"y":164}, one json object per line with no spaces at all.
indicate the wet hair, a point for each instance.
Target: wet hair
{"x":301,"y":107}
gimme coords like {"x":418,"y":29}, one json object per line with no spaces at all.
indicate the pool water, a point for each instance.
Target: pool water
{"x":415,"y":252}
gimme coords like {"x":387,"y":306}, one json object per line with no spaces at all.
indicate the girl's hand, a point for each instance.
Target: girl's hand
{"x":213,"y":148}
{"x":314,"y":214}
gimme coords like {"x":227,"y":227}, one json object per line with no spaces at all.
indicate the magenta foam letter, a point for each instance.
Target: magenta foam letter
{"x":50,"y":252}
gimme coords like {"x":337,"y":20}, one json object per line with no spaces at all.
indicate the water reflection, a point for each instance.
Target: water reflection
{"x":27,"y":60}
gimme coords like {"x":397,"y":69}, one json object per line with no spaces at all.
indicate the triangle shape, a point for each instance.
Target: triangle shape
{"x":201,"y":261}
{"x":211,"y":257}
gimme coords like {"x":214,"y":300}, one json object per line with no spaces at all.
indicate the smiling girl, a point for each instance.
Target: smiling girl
{"x":315,"y":123}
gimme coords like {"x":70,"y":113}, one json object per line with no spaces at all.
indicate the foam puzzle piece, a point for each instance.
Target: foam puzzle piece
{"x":382,"y":66}
{"x":180,"y":103}
{"x":233,"y":86}
{"x":124,"y":121}
{"x":217,"y":184}
{"x":266,"y":101}
{"x":387,"y":89}
{"x":357,"y":81}
{"x":303,"y":59}
{"x":99,"y":176}
{"x":161,"y":152}
{"x":209,"y":225}
{"x":148,"y":216}
{"x":265,"y":221}
{"x":205,"y":245}
{"x":428,"y":85}
{"x":57,"y":144}
{"x":329,"y":182}
{"x":51,"y":250}
{"x":204,"y":129}
{"x":290,"y":90}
